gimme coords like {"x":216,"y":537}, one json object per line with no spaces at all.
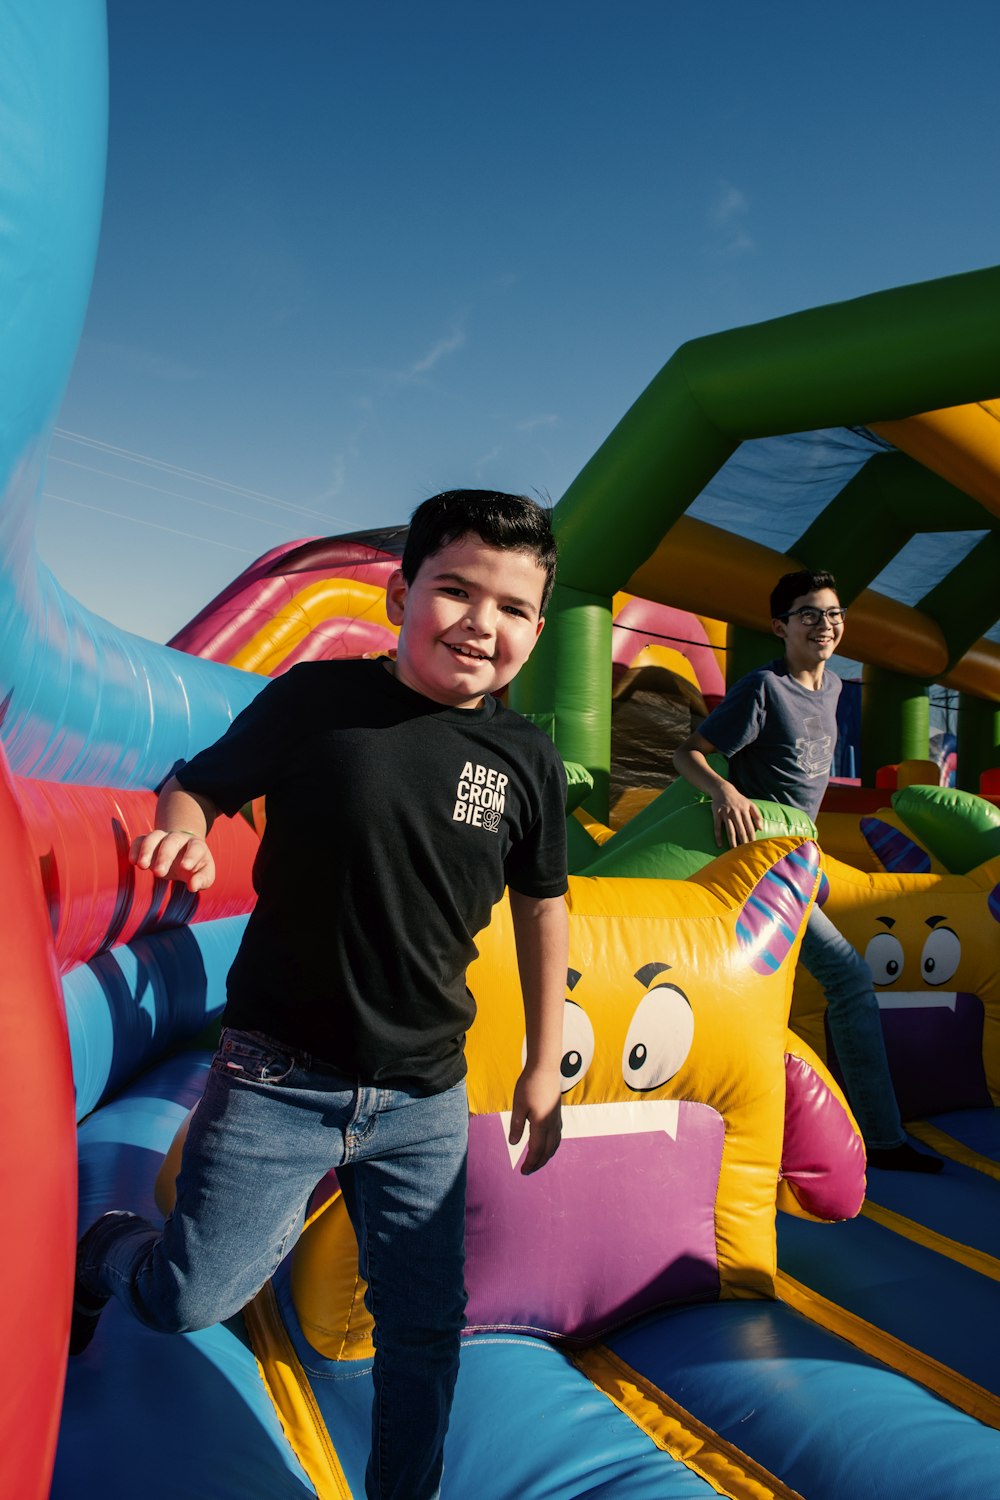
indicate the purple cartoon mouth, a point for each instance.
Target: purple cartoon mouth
{"x":621,"y":1220}
{"x":934,"y":1043}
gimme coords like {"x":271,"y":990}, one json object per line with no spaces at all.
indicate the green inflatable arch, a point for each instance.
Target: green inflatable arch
{"x":879,"y":358}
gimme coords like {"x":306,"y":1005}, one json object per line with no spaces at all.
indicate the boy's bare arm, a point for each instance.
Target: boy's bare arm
{"x":541,"y":933}
{"x":176,"y":848}
{"x":731,"y":811}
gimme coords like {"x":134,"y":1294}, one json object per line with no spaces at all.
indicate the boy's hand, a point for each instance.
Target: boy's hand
{"x":734,"y":815}
{"x":176,"y":855}
{"x":537,"y":1102}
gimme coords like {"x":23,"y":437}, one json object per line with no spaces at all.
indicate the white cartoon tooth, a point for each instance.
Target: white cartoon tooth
{"x":918,"y":1000}
{"x":623,"y":1117}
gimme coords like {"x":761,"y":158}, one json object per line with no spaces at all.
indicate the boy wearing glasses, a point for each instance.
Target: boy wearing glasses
{"x":777,"y":728}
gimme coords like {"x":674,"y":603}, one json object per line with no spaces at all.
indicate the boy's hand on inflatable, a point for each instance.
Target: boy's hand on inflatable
{"x":175,"y":855}
{"x":537,"y":1103}
{"x":734,"y":815}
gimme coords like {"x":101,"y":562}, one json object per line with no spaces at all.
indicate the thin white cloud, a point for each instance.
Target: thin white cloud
{"x":338,"y":479}
{"x":483,"y":463}
{"x":448,"y":345}
{"x":727,"y":213}
{"x":731,"y":203}
{"x":532,"y":424}
{"x":143,"y":362}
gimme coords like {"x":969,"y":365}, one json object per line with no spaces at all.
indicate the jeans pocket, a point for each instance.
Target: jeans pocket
{"x":252,"y":1057}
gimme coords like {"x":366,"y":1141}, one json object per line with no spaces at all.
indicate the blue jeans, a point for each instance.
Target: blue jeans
{"x":271,"y":1123}
{"x":855,"y":1029}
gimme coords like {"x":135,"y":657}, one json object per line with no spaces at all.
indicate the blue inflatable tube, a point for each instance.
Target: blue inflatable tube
{"x":81,"y":700}
{"x":130,"y":1006}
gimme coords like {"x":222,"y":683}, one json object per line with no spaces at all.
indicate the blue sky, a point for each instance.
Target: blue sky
{"x":356,"y":253}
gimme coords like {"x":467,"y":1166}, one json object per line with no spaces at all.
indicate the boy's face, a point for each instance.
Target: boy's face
{"x":468,"y":621}
{"x":809,"y":641}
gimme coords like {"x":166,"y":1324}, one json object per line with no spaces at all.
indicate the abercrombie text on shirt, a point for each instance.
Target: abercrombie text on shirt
{"x":480,"y":796}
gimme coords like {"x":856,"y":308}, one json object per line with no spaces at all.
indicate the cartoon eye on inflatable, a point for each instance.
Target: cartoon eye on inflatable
{"x":884,"y":956}
{"x":659,"y":1038}
{"x":941,"y":956}
{"x":578,"y":1045}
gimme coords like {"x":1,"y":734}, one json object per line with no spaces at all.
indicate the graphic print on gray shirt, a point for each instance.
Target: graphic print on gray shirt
{"x":778,"y":736}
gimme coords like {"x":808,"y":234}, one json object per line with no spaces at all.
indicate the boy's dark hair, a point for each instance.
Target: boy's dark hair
{"x":793,"y":585}
{"x":512,"y":523}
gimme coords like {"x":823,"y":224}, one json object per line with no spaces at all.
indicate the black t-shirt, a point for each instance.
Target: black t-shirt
{"x":393,"y":825}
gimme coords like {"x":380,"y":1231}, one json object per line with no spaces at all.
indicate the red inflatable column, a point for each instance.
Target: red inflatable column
{"x":37,"y":1168}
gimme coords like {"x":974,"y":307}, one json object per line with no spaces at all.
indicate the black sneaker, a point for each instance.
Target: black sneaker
{"x":88,"y":1304}
{"x":904,"y":1158}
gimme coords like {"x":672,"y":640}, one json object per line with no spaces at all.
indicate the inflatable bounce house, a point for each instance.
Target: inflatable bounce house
{"x":704,"y":1293}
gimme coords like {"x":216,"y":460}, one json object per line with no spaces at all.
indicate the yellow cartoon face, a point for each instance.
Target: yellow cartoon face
{"x":673,"y":1095}
{"x":932,"y":943}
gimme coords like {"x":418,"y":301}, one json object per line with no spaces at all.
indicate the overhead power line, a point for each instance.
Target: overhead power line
{"x":156,"y":525}
{"x":193,"y":474}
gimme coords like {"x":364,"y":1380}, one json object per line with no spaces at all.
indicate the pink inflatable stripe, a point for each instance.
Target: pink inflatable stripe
{"x":773,"y":912}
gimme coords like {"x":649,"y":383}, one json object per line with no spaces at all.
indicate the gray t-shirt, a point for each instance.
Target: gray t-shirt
{"x":778,"y":736}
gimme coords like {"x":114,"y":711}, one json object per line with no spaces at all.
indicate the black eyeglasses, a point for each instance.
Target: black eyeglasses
{"x":810,"y":616}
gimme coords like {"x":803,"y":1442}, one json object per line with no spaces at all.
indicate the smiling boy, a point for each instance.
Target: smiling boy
{"x":347,"y":1008}
{"x":777,"y":728}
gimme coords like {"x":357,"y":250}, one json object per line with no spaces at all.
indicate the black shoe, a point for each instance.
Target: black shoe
{"x":88,"y":1304}
{"x":903,"y":1158}
{"x":83,"y":1324}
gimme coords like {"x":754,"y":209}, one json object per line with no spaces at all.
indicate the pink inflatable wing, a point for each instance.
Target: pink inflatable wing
{"x":271,"y":586}
{"x":823,"y":1155}
{"x":641,"y":622}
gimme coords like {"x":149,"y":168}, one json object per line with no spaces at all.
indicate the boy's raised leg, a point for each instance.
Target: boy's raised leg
{"x":264,"y":1132}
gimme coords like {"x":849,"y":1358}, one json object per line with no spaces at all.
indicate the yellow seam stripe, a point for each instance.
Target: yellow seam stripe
{"x":965,"y":1255}
{"x":954,"y":1150}
{"x":599,"y":832}
{"x":721,"y":1464}
{"x":927,"y":1371}
{"x":327,"y":1203}
{"x":288,"y":1387}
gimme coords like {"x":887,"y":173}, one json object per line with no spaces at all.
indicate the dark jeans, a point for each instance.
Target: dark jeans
{"x":269,"y":1126}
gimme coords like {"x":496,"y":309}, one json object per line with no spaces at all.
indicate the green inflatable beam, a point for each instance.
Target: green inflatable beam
{"x":879,"y":358}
